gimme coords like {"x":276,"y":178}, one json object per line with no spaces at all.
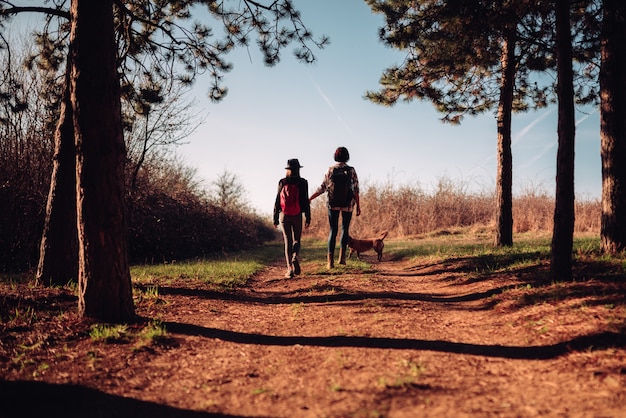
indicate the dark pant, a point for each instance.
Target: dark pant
{"x":292,"y":231}
{"x":333,"y":220}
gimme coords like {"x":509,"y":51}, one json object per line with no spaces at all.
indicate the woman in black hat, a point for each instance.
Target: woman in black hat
{"x":292,"y":200}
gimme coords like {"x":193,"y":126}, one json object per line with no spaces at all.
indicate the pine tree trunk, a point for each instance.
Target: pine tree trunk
{"x":504,"y":178}
{"x":58,"y":253}
{"x":613,"y":127}
{"x":563,"y":232}
{"x":105,"y":290}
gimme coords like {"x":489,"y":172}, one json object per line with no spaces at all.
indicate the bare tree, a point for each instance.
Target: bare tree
{"x":156,"y":124}
{"x":229,"y":191}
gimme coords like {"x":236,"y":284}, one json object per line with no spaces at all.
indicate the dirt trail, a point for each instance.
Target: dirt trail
{"x":401,"y":341}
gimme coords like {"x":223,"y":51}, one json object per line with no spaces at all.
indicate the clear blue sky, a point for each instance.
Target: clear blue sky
{"x":305,"y":111}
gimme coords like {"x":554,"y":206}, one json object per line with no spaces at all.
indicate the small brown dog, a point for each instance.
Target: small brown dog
{"x":361,"y":245}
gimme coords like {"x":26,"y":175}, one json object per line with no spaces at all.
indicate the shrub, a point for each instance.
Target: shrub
{"x":170,"y":219}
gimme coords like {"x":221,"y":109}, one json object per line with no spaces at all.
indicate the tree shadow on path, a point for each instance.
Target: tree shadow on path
{"x":339,"y":295}
{"x":594,"y":341}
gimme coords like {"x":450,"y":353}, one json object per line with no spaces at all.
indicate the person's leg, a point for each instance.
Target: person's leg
{"x":346,"y":217}
{"x":288,"y":238}
{"x":333,"y":220}
{"x":297,"y":234}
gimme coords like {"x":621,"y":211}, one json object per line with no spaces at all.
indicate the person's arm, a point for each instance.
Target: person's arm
{"x":318,"y":192}
{"x":320,"y":189}
{"x":277,"y":208}
{"x":355,"y":186}
{"x":305,"y":203}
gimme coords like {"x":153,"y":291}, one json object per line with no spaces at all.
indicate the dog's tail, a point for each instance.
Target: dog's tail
{"x":383,"y":235}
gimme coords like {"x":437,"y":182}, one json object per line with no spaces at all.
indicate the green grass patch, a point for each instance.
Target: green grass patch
{"x":227,"y":271}
{"x":527,"y":249}
{"x":230,"y":271}
{"x":109,"y":333}
{"x":152,"y":331}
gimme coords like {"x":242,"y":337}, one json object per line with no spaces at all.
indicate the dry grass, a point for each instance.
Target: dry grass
{"x":407,"y":211}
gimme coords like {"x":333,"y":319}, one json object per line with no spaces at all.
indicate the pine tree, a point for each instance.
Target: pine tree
{"x":613,"y":126}
{"x":563,"y":230}
{"x":469,"y":57}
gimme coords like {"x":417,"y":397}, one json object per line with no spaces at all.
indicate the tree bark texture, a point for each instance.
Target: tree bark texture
{"x":105,"y":290}
{"x":504,"y":177}
{"x":613,"y":126}
{"x":58,"y":253}
{"x":563,"y":229}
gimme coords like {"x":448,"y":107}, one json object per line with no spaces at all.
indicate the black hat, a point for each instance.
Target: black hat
{"x":293,"y":163}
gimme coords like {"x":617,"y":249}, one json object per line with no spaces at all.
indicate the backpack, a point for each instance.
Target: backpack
{"x":340,"y":187}
{"x":290,"y":199}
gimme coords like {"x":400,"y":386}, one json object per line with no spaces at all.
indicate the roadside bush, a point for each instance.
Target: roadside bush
{"x":168,"y":216}
{"x":162,"y":228}
{"x":21,"y":219}
{"x":171,"y":219}
{"x":26,"y":151}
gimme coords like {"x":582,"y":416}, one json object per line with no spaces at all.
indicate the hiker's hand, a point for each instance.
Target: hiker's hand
{"x":358,"y":211}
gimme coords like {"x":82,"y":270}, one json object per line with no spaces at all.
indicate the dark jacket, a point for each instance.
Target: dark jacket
{"x":303,"y":188}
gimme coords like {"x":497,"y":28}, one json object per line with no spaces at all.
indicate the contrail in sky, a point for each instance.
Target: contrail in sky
{"x":543,"y":152}
{"x":521,"y":134}
{"x":553,"y":144}
{"x":525,"y":131}
{"x":332,"y":107}
{"x":531,"y":125}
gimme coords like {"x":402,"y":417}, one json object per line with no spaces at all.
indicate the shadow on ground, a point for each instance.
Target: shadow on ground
{"x":539,"y":352}
{"x":27,"y":399}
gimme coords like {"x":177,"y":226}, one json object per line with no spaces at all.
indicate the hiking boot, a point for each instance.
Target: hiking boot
{"x":296,"y":265}
{"x":331,"y":261}
{"x":342,"y":256}
{"x":289,"y":273}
